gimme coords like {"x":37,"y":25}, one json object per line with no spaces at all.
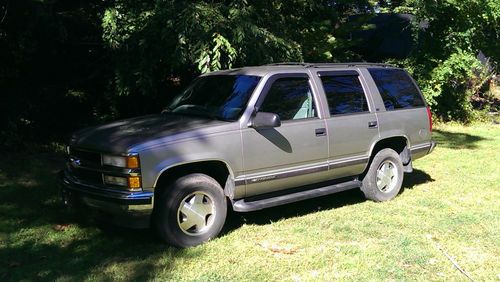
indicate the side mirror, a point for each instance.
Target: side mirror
{"x":263,"y":120}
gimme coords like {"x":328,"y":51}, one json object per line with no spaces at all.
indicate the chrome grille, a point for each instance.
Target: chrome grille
{"x":86,"y":167}
{"x":87,"y":176}
{"x":82,"y":165}
{"x":86,"y":156}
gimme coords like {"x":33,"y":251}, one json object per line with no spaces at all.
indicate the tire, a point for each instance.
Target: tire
{"x":384,"y":178}
{"x":177,"y":213}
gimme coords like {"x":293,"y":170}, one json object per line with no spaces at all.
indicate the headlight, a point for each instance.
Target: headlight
{"x":118,"y":161}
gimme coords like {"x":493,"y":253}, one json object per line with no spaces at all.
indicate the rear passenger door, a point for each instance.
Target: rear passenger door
{"x":352,"y":125}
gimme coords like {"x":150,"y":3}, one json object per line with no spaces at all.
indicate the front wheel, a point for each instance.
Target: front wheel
{"x":191,"y":211}
{"x":384,"y":177}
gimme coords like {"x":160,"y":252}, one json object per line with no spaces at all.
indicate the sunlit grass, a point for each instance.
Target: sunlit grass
{"x":450,"y":205}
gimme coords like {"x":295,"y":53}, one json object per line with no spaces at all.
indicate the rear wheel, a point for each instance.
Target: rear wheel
{"x":191,"y":211}
{"x":384,"y":178}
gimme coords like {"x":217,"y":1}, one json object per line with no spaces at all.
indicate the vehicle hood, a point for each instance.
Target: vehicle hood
{"x":120,"y":136}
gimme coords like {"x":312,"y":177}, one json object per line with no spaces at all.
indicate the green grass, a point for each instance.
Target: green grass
{"x":450,"y":204}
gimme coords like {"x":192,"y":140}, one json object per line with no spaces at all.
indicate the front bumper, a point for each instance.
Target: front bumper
{"x":129,"y":209}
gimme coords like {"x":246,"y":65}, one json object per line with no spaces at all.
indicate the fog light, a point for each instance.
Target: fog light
{"x":134,"y":182}
{"x":115,"y":180}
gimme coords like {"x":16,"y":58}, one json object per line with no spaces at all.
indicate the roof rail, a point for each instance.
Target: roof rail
{"x":325,"y":65}
{"x":351,"y":64}
{"x":290,"y":64}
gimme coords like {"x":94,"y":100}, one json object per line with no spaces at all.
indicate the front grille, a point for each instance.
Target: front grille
{"x":86,"y":156}
{"x":86,"y":167}
{"x":87,"y":176}
{"x":82,"y":165}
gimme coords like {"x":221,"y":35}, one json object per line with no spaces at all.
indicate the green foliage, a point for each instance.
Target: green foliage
{"x":155,"y":40}
{"x":67,"y":64}
{"x":445,"y":63}
{"x":460,"y":25}
{"x":452,"y":85}
{"x":210,"y":58}
{"x":152,"y":41}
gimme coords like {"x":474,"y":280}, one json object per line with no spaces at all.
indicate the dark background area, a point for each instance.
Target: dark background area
{"x":65,"y":65}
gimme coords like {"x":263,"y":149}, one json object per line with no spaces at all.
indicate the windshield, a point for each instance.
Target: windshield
{"x":221,"y":97}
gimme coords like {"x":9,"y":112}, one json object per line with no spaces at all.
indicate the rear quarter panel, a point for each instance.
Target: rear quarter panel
{"x":413,"y":123}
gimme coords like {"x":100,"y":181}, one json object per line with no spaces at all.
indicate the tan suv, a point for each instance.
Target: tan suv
{"x":253,"y":137}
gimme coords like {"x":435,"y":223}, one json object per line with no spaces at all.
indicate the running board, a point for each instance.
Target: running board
{"x":247,"y":206}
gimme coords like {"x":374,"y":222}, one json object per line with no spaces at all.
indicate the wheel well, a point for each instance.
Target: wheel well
{"x":398,"y":144}
{"x":215,"y":169}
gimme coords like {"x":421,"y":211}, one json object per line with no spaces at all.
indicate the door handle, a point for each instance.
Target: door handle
{"x":320,"y":131}
{"x":372,"y":124}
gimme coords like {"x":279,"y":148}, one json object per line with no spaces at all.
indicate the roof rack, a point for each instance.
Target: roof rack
{"x":325,"y":65}
{"x":351,"y":64}
{"x":290,"y":64}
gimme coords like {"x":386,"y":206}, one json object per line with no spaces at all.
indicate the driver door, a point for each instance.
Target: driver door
{"x":294,"y":154}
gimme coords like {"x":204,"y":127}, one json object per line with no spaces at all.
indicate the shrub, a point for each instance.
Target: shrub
{"x":452,"y":84}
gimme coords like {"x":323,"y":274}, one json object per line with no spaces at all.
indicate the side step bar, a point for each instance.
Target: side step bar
{"x":247,"y":206}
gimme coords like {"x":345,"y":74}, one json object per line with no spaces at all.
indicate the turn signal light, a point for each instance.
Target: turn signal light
{"x":132,"y":162}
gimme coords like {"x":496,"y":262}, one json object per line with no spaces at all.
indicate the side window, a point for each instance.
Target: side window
{"x":396,"y":88}
{"x":345,"y":94}
{"x":290,"y":98}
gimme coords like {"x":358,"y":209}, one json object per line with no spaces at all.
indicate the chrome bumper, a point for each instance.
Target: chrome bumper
{"x":130,"y":209}
{"x":422,"y":150}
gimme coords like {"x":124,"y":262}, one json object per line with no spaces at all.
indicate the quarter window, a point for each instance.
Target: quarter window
{"x":345,"y":94}
{"x":396,"y":88}
{"x":290,"y":98}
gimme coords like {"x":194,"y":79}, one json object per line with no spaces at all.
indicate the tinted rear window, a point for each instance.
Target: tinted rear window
{"x":396,"y":88}
{"x":345,"y":94}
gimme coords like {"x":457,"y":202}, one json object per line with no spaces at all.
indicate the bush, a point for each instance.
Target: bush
{"x":452,"y":84}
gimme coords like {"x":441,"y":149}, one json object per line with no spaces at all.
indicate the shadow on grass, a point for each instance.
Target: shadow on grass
{"x":454,"y":140}
{"x":297,"y":209}
{"x":334,"y":201}
{"x":415,"y":178}
{"x":31,"y":248}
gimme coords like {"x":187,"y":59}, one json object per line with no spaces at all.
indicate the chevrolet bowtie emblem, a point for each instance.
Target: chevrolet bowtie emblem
{"x":76,"y":162}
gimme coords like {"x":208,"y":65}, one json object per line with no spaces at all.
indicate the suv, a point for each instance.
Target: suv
{"x":254,"y":137}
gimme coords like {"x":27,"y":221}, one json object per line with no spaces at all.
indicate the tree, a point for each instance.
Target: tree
{"x":445,"y":62}
{"x":53,"y":69}
{"x":165,"y":41}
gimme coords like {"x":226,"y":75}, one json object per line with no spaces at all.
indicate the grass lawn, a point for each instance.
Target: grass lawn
{"x":449,"y":211}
